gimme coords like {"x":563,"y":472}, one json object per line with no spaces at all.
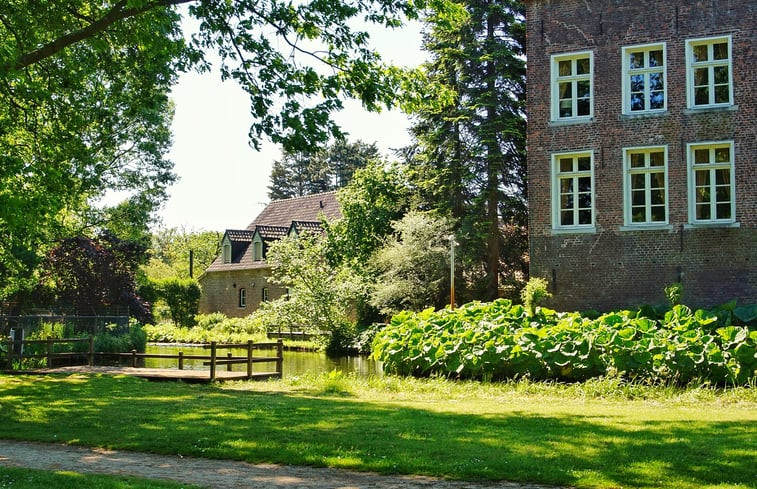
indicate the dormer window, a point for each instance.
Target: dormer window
{"x":257,"y":250}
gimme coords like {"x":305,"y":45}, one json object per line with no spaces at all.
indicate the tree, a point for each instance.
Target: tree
{"x":310,"y":172}
{"x":84,"y":106}
{"x":93,"y":275}
{"x":470,"y":155}
{"x":170,"y":251}
{"x":322,"y":296}
{"x":413,"y":266}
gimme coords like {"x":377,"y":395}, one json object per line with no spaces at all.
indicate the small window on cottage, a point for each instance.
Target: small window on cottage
{"x":227,"y":253}
{"x":242,"y":297}
{"x":264,"y":295}
{"x":257,"y":249}
{"x":709,"y":78}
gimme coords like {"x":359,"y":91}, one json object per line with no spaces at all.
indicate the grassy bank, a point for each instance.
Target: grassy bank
{"x":17,"y":478}
{"x":602,"y":433}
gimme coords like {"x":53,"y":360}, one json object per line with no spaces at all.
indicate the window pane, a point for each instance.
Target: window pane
{"x":703,"y":194}
{"x":637,"y":83}
{"x":638,"y":198}
{"x":657,"y":158}
{"x":637,"y":160}
{"x":700,"y":53}
{"x":721,"y":74}
{"x":638,"y":182}
{"x":583,"y":89}
{"x":701,"y":77}
{"x":639,"y":214}
{"x":723,"y":194}
{"x":566,"y":165}
{"x":723,"y":177}
{"x":566,"y":90}
{"x":702,"y":178}
{"x":566,"y":185}
{"x":657,"y":180}
{"x":720,"y":50}
{"x":701,"y":156}
{"x":565,"y":68}
{"x":658,"y":197}
{"x":566,"y":218}
{"x":582,"y":66}
{"x":702,"y":96}
{"x":657,"y":100}
{"x":566,"y":201}
{"x":584,"y":217}
{"x":722,"y":94}
{"x":566,"y":108}
{"x":655,"y":58}
{"x":723,"y":155}
{"x":636,"y":60}
{"x":583,"y":107}
{"x":658,"y":214}
{"x":655,"y":81}
{"x":584,"y":201}
{"x":703,"y":212}
{"x":584,"y":163}
{"x":724,"y":211}
{"x":584,"y":184}
{"x":637,"y":101}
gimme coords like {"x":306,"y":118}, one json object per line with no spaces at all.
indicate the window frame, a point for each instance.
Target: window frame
{"x":264,"y":294}
{"x":242,"y":295}
{"x":627,"y":72}
{"x":629,"y":171}
{"x":257,"y":250}
{"x":711,"y":167}
{"x":226,"y":251}
{"x":555,"y":81}
{"x":691,"y":66}
{"x":556,"y":201}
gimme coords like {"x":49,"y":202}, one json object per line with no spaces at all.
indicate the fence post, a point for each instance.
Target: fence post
{"x":249,"y":359}
{"x":49,"y":352}
{"x":280,"y":358}
{"x":134,"y":358}
{"x":228,"y":365}
{"x":91,"y":357}
{"x":10,"y":353}
{"x":212,"y":361}
{"x":181,"y":360}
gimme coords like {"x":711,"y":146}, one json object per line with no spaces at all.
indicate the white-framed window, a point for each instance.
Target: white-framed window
{"x":709,"y":75}
{"x":264,"y":295}
{"x":644,"y":79}
{"x":242,"y":297}
{"x":711,"y":183}
{"x":257,"y":250}
{"x":573,"y":191}
{"x":646,"y":186}
{"x":572,"y":86}
{"x":226,"y":252}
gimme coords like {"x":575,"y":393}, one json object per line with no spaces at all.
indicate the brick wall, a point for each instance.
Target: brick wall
{"x":614,"y":267}
{"x":220,"y":291}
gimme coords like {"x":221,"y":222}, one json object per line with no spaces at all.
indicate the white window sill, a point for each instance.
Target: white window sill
{"x":571,"y":121}
{"x":584,"y":230}
{"x":629,"y":116}
{"x":646,"y":227}
{"x":706,"y":225}
{"x":711,"y":108}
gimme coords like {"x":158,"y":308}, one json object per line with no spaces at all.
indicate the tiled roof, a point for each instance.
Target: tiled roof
{"x":240,"y":235}
{"x":306,"y":208}
{"x":304,"y":213}
{"x":271,"y":232}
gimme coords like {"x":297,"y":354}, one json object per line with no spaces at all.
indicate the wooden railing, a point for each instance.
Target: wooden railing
{"x":15,"y":349}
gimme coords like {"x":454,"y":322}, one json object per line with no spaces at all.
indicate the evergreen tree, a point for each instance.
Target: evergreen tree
{"x":469,"y":159}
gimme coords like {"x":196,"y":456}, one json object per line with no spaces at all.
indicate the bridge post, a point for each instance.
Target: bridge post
{"x":212,"y":361}
{"x":249,"y":359}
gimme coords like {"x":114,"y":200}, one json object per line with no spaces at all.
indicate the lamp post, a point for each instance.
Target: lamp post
{"x":452,"y":244}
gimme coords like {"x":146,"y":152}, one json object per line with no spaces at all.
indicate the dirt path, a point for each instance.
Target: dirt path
{"x":216,"y":474}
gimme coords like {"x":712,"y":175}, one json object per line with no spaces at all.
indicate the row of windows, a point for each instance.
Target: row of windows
{"x":644,"y":88}
{"x":257,"y":251}
{"x":243,"y":296}
{"x":645,"y":187}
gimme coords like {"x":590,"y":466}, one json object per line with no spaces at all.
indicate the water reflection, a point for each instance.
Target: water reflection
{"x":295,"y":363}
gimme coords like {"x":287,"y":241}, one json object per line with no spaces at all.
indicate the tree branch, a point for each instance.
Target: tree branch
{"x":115,"y":14}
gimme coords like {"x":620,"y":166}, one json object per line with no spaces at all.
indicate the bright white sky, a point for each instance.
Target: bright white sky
{"x":223,"y":182}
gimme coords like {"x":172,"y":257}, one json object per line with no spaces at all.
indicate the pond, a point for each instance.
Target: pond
{"x":295,"y":362}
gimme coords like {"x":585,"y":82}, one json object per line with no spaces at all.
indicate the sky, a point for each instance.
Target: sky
{"x":223,"y":182}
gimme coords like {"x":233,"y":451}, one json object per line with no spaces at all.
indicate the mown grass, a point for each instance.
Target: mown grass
{"x":600,"y":434}
{"x":17,"y":478}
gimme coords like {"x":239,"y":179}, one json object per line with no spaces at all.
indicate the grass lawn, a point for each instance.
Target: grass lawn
{"x":16,"y":478}
{"x":603,"y":434}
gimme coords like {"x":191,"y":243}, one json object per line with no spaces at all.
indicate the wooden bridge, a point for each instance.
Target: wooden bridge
{"x":15,"y":355}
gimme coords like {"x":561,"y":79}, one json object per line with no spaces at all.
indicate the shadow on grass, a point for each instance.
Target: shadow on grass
{"x":563,"y":449}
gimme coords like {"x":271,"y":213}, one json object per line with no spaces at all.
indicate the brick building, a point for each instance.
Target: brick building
{"x":238,"y":280}
{"x":642,"y":150}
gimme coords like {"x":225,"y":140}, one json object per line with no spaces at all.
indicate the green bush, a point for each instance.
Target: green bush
{"x":182,"y":297}
{"x":209,"y":327}
{"x":501,"y":340}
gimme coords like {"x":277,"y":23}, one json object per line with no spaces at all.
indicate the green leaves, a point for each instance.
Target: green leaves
{"x":499,"y":340}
